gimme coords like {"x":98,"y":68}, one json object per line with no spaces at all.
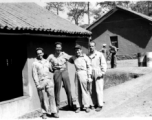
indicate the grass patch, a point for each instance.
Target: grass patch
{"x":116,"y":78}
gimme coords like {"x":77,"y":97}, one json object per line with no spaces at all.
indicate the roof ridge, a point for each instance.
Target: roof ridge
{"x":135,"y":12}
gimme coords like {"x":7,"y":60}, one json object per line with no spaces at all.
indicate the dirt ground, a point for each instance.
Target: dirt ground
{"x":130,"y":99}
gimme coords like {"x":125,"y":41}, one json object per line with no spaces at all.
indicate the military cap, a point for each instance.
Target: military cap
{"x":78,"y":46}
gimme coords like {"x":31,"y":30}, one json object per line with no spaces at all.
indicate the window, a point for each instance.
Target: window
{"x":114,"y":41}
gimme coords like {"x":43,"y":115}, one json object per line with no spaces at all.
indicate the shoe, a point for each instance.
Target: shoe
{"x":87,"y":110}
{"x":44,"y":116}
{"x":99,"y":108}
{"x":71,"y":108}
{"x":56,"y":115}
{"x":92,"y":107}
{"x":77,"y":110}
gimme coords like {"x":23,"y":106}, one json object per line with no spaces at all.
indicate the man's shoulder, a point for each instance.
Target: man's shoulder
{"x":51,"y":55}
{"x":85,"y":55}
{"x":98,"y":52}
{"x":64,"y":53}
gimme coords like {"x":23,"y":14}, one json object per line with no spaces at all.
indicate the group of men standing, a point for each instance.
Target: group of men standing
{"x":90,"y":70}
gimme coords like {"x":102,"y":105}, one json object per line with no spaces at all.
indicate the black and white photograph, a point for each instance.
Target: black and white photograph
{"x":75,"y":59}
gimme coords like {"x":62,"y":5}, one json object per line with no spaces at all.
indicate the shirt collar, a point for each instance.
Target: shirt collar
{"x":40,"y":61}
{"x":81,"y":56}
{"x":93,"y":55}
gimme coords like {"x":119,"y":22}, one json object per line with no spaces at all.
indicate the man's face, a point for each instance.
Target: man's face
{"x":58,"y":48}
{"x":40,"y":54}
{"x":78,"y":52}
{"x":92,"y":47}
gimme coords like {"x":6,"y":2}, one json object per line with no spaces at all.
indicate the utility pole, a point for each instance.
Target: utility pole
{"x":148,"y":8}
{"x":88,"y":13}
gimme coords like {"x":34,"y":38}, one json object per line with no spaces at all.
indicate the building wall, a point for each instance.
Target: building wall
{"x":134,"y":33}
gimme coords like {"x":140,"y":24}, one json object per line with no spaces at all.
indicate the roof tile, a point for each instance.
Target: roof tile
{"x":31,"y":15}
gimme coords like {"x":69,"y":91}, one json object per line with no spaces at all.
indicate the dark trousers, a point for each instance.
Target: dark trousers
{"x":59,"y":76}
{"x":113,"y":61}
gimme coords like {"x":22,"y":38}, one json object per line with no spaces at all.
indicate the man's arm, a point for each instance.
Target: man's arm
{"x":89,"y":66}
{"x":69,"y":58}
{"x":103,"y":63}
{"x":35,"y":75}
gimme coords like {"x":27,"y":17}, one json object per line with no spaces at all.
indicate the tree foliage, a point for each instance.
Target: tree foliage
{"x":96,"y":13}
{"x":112,"y":4}
{"x":55,"y":7}
{"x":106,"y":6}
{"x":76,"y":11}
{"x":144,"y":7}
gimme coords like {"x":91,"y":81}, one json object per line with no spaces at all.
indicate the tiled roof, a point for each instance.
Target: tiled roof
{"x":32,"y":17}
{"x":109,"y":13}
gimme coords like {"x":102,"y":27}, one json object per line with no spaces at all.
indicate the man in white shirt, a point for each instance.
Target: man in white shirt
{"x":99,"y":67}
{"x":60,"y":68}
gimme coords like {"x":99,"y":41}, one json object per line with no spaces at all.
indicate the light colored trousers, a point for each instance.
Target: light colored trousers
{"x":96,"y":89}
{"x":81,"y":89}
{"x":48,"y":89}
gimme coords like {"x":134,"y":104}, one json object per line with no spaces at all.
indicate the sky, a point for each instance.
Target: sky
{"x":61,"y":14}
{"x":64,"y":14}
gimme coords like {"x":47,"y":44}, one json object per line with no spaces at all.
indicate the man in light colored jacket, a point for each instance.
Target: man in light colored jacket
{"x":82,"y":78}
{"x":99,"y":67}
{"x":44,"y":83}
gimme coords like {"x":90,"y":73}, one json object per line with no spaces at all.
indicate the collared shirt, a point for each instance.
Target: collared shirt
{"x":82,"y":63}
{"x":98,"y":61}
{"x":59,"y":61}
{"x":41,"y":70}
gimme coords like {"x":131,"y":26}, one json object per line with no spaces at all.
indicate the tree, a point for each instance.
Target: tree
{"x":96,"y":13}
{"x":106,"y":6}
{"x":142,"y":7}
{"x":55,"y":6}
{"x":76,"y":11}
{"x":111,"y":4}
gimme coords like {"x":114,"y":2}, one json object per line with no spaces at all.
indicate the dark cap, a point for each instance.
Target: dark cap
{"x":78,"y":47}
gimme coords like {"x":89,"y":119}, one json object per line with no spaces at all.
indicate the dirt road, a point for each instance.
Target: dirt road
{"x":133,"y":98}
{"x":130,"y":99}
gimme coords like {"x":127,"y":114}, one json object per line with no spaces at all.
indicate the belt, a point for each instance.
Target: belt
{"x":61,"y":69}
{"x":45,"y":78}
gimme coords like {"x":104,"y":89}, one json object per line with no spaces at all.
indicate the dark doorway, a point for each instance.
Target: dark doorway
{"x":13,"y":58}
{"x":114,"y":41}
